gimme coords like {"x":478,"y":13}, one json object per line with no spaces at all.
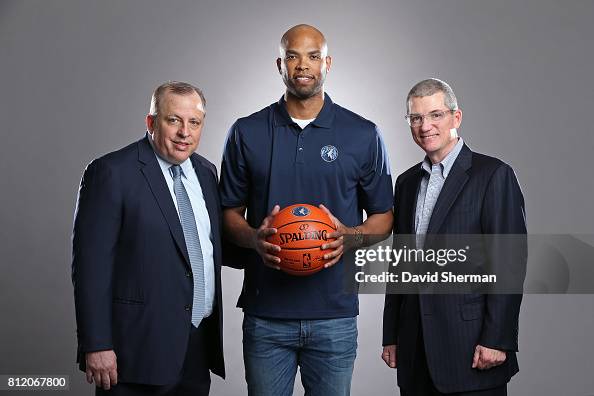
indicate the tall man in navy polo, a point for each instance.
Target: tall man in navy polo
{"x":302,"y":149}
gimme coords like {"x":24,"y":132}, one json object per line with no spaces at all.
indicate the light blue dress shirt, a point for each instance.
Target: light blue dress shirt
{"x":445,"y":166}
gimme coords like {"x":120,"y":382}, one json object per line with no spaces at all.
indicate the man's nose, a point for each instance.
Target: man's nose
{"x":302,"y":65}
{"x":183,"y":129}
{"x":425,"y":124}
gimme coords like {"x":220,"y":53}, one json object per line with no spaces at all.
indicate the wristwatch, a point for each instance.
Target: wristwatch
{"x":358,"y":237}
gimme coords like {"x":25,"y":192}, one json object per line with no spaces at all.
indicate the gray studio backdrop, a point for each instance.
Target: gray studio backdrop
{"x":76,"y":78}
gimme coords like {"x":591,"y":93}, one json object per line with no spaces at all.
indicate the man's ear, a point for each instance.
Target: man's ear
{"x":328,"y":63}
{"x":150,"y":123}
{"x":279,"y":65}
{"x":457,"y":118}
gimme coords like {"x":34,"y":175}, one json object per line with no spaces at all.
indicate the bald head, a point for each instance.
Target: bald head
{"x":303,"y":32}
{"x":304,"y":62}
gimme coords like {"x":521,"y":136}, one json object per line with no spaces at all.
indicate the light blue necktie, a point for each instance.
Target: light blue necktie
{"x":188,"y":223}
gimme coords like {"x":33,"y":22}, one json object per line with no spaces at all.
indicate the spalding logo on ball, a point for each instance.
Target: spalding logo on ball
{"x":301,"y":230}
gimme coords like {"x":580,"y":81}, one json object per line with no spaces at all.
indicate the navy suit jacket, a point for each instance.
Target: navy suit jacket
{"x":131,"y":272}
{"x":480,"y":196}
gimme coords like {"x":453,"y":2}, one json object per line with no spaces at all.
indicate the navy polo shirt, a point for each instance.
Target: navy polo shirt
{"x":338,"y":160}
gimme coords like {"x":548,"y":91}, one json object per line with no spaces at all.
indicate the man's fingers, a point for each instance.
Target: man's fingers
{"x":335,"y":253}
{"x":334,"y":219}
{"x":270,"y":247}
{"x":268,"y":219}
{"x":271,"y":259}
{"x":492,"y":358}
{"x":263,"y":233}
{"x":271,"y":264}
{"x":325,"y":209}
{"x":475,"y":358}
{"x":392,"y":362}
{"x":266,"y":222}
{"x":332,"y":262}
{"x":334,"y":244}
{"x":335,"y":235}
{"x":392,"y":358}
{"x":113,"y":376}
{"x":89,"y":376}
{"x":385,"y":355}
{"x":389,"y":355}
{"x":267,"y":250}
{"x":97,"y":378}
{"x":486,"y":358}
{"x":105,"y":381}
{"x":482,"y":364}
{"x":262,"y":244}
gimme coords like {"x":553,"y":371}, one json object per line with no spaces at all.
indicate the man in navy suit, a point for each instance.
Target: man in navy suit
{"x":147,"y":256}
{"x":462,"y":344}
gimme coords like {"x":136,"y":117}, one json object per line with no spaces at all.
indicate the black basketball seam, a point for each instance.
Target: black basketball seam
{"x":304,"y":269}
{"x":311,"y":221}
{"x":302,"y":248}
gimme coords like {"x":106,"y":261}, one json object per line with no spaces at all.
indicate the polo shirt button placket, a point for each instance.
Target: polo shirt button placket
{"x":300,"y":148}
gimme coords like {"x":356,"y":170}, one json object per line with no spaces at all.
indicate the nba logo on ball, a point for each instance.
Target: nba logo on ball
{"x":329,"y":153}
{"x":300,"y":211}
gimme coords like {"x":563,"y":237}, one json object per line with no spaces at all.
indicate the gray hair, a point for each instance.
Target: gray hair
{"x":176,"y":87}
{"x":430,"y":87}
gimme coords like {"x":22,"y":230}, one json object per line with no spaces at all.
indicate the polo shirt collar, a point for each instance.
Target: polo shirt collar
{"x":323,"y":120}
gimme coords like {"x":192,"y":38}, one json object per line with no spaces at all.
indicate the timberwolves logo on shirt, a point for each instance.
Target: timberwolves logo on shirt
{"x":329,"y":153}
{"x":300,"y":211}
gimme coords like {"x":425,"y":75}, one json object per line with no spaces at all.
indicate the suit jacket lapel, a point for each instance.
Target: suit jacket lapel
{"x":410,"y":205}
{"x":154,"y":176}
{"x":451,"y":189}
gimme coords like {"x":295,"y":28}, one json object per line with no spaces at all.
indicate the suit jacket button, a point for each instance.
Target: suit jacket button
{"x":188,"y":307}
{"x":189,"y":274}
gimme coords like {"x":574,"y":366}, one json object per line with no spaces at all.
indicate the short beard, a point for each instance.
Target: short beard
{"x":305,"y":93}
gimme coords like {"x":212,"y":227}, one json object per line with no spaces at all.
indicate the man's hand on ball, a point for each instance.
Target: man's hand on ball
{"x":265,"y":249}
{"x":337,"y":245}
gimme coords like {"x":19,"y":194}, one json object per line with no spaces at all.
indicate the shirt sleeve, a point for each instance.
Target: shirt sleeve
{"x":234,"y":183}
{"x":375,"y":185}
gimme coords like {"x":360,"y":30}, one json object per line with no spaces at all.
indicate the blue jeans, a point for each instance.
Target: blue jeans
{"x":324,"y":350}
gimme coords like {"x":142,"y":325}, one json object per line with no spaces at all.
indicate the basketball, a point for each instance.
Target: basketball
{"x":301,"y":230}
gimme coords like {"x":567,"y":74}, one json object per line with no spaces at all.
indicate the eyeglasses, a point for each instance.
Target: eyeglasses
{"x":416,"y":120}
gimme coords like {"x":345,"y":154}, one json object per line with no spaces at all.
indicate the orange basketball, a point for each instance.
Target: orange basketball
{"x":301,"y":230}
